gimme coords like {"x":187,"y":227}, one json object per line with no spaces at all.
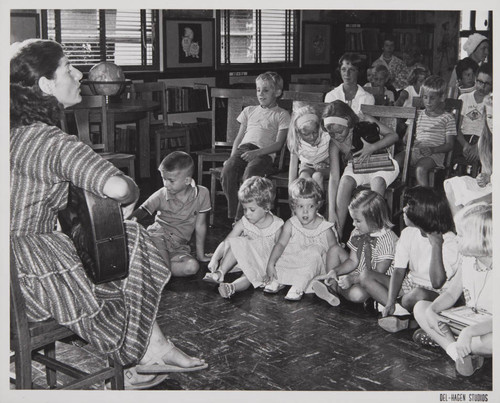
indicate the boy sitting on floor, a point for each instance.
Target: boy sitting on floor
{"x":181,"y":208}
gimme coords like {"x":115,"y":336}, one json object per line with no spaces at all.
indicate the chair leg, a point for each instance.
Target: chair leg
{"x":117,"y":382}
{"x":50,"y":352}
{"x":213,"y":192}
{"x":23,"y":369}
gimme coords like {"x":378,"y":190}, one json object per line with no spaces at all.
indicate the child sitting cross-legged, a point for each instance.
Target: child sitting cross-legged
{"x":372,"y":245}
{"x":300,"y":253}
{"x":475,"y":280}
{"x":425,"y":259}
{"x":251,"y":240}
{"x":181,"y":208}
{"x":435,"y":131}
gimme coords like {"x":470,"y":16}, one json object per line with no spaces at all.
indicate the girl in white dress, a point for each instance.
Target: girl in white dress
{"x":251,"y":240}
{"x":300,"y":253}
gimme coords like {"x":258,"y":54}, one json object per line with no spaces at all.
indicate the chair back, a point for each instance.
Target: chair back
{"x":388,"y":115}
{"x":299,"y":87}
{"x":303,"y":96}
{"x":453,"y":106}
{"x":154,"y":91}
{"x":92,"y":109}
{"x":417,"y":102}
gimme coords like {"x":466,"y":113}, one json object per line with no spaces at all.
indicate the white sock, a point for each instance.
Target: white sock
{"x":451,"y":350}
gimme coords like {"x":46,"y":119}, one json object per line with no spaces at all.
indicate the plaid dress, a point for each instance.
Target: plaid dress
{"x":115,"y":317}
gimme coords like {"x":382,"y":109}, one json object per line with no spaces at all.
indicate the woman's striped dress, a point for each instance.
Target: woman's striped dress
{"x":115,"y":317}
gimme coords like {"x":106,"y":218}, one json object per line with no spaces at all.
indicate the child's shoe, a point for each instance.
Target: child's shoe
{"x":370,"y":306}
{"x":422,"y":338}
{"x":273,"y":287}
{"x":393,"y":324}
{"x":226,"y":290}
{"x":325,"y":293}
{"x":294,"y":294}
{"x":469,"y":365}
{"x":214,"y":278}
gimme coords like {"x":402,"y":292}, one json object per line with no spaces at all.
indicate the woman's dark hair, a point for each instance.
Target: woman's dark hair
{"x":28,"y":104}
{"x":339,"y":109}
{"x":428,"y":209}
{"x":485,"y":68}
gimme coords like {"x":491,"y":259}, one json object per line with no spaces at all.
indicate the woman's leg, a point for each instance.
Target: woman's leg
{"x":231,"y":174}
{"x":344,"y":195}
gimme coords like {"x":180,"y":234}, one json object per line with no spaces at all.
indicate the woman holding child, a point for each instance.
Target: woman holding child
{"x":118,"y":318}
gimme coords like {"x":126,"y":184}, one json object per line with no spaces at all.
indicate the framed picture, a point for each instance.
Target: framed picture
{"x":316,"y":43}
{"x":24,"y":26}
{"x":188,"y":43}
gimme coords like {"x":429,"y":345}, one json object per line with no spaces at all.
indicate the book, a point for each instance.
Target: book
{"x":375,"y":162}
{"x":205,"y":93}
{"x":463,"y":316}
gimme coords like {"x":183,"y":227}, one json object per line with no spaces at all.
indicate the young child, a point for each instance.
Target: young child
{"x":475,"y":280}
{"x":464,"y":190}
{"x":474,"y":112}
{"x":435,"y":132}
{"x":310,"y":146}
{"x":425,"y":259}
{"x":181,"y":208}
{"x":262,"y":133}
{"x":372,"y":245}
{"x":339,"y":120}
{"x":249,"y":244}
{"x":300,"y":253}
{"x":466,"y":74}
{"x":379,"y":78}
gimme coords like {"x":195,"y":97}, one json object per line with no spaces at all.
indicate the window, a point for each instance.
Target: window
{"x":128,"y":38}
{"x":474,"y":21}
{"x":258,"y":36}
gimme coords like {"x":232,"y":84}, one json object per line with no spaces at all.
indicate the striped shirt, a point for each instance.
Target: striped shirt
{"x":432,"y":130}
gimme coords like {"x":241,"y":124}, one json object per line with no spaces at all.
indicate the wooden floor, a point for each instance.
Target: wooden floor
{"x":255,"y":341}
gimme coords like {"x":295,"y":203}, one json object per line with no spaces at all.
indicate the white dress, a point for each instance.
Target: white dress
{"x":253,"y":248}
{"x":304,"y":257}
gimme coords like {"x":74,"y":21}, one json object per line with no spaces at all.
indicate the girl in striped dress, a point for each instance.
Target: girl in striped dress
{"x":118,"y":318}
{"x":372,"y":245}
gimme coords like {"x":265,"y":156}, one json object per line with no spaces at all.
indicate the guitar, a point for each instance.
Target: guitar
{"x":96,"y":227}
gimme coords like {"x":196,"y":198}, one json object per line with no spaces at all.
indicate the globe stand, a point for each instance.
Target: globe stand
{"x":110,"y":89}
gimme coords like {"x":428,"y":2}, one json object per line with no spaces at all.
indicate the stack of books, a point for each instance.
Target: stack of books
{"x":463,"y":316}
{"x":380,"y":161}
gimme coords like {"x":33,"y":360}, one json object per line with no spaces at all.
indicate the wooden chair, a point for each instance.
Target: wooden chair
{"x":226,"y":106}
{"x":299,"y":87}
{"x":27,"y":339}
{"x":84,"y":114}
{"x":388,"y":115}
{"x":303,"y":96}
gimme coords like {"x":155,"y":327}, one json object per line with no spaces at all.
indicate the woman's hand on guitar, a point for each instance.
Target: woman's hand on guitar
{"x":127,"y":211}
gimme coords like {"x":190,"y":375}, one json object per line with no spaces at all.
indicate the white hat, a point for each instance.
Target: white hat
{"x":473,"y":42}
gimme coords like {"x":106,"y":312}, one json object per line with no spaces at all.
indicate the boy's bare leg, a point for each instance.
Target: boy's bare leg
{"x":183,"y":265}
{"x":424,"y":165}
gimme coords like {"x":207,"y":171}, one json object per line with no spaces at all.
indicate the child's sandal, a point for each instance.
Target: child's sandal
{"x":226,"y":290}
{"x":214,"y":278}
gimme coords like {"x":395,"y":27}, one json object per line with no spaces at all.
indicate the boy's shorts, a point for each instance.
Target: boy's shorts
{"x":408,"y":285}
{"x":416,"y":156}
{"x":169,"y":243}
{"x":365,"y":179}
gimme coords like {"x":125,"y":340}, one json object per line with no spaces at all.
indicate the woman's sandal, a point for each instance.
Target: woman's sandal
{"x":216,"y":277}
{"x":156,"y":365}
{"x":226,"y":290}
{"x":130,"y":381}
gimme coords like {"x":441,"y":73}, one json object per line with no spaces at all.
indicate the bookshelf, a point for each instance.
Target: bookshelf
{"x":368,"y":39}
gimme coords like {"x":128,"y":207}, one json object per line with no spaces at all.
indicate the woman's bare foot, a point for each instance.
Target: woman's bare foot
{"x":175,"y":356}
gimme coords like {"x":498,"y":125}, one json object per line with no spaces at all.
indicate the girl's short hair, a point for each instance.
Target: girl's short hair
{"x":373,"y":207}
{"x":339,"y":109}
{"x":273,"y":78}
{"x":435,"y":83}
{"x":464,"y":65}
{"x":475,"y":229}
{"x":302,"y":118}
{"x":353,"y":58}
{"x":428,"y":209}
{"x":413,"y":76}
{"x":305,"y":188}
{"x":257,"y":189}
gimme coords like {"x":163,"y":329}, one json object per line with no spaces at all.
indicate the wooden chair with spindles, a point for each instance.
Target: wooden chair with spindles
{"x":29,"y":339}
{"x":92,"y":109}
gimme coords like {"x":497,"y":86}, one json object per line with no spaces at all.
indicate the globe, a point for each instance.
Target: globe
{"x":106,"y":71}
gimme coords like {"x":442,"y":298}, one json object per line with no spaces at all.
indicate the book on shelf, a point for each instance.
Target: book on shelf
{"x":205,"y":89}
{"x":188,"y":99}
{"x":463,"y":316}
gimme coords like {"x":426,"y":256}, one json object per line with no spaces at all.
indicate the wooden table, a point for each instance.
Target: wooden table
{"x":136,"y":111}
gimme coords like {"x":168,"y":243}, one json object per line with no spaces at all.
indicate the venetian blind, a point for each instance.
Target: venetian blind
{"x":257,"y":36}
{"x":125,"y":37}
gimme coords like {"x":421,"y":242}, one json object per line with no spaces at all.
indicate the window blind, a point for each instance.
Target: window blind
{"x":124,"y":37}
{"x":257,"y":36}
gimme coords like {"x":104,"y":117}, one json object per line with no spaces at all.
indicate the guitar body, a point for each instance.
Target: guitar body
{"x":96,"y":227}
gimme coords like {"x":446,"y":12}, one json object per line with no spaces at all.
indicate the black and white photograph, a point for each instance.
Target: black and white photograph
{"x":285,"y":202}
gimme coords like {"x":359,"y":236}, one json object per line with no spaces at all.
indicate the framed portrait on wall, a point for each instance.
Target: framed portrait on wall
{"x":188,"y":43}
{"x":24,"y":26}
{"x":316,"y":43}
